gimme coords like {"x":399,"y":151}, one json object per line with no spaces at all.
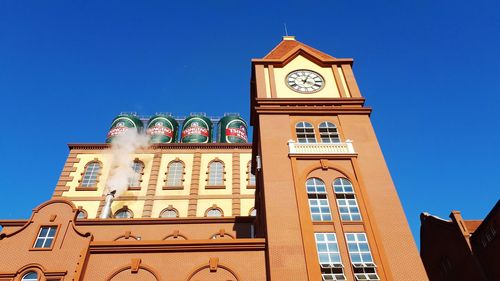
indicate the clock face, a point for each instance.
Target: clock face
{"x":305,"y":81}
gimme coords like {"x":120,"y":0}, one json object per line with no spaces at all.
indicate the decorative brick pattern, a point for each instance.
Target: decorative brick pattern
{"x":195,"y":184}
{"x":153,"y":180}
{"x":65,"y":178}
{"x":236,"y":184}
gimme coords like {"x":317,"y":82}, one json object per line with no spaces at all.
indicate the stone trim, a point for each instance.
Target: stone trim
{"x":236,"y":208}
{"x":153,"y":180}
{"x":195,"y":184}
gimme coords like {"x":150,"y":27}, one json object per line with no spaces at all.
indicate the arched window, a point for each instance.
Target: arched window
{"x":346,"y":200}
{"x":134,"y":182}
{"x":216,"y":173}
{"x":328,"y":132}
{"x":213,"y":212}
{"x":124,"y":213}
{"x":251,"y":177}
{"x":318,"y":201}
{"x":169,"y":213}
{"x":305,"y":132}
{"x":30,"y":276}
{"x":175,"y":173}
{"x":91,"y":173}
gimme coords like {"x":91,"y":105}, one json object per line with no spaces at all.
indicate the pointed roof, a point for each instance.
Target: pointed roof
{"x":289,"y":46}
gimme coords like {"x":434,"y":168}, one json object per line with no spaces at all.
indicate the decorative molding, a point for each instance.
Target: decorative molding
{"x":151,"y":191}
{"x":242,"y":244}
{"x":195,"y":184}
{"x":164,"y":146}
{"x":236,"y":204}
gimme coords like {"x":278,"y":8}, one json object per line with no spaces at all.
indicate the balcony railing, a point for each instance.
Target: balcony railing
{"x":321,"y":148}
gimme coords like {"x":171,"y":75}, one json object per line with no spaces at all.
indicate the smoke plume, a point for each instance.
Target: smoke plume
{"x":123,"y":147}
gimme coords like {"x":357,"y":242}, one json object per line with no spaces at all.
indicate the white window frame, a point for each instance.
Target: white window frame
{"x":135,"y":179}
{"x":317,"y":198}
{"x":305,"y":132}
{"x":26,"y":278}
{"x":175,"y":173}
{"x":328,"y":132}
{"x":216,"y":173}
{"x":50,"y":236}
{"x":91,"y":174}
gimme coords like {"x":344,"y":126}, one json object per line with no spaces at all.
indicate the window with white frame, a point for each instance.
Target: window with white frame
{"x":216,"y":173}
{"x":91,"y":173}
{"x":135,"y":179}
{"x":45,"y":237}
{"x":169,"y":213}
{"x":328,"y":133}
{"x":175,"y":172}
{"x":251,"y":177}
{"x":305,"y":132}
{"x":361,"y":257}
{"x":329,"y":256}
{"x":346,"y":200}
{"x":124,"y":214}
{"x":30,"y":276}
{"x":214,"y":213}
{"x":318,"y":201}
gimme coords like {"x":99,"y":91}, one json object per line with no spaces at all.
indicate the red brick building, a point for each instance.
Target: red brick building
{"x":459,"y":249}
{"x":309,"y":199}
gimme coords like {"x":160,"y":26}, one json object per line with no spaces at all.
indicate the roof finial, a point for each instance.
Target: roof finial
{"x":286,"y":30}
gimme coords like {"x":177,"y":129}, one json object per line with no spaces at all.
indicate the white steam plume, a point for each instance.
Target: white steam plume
{"x":122,"y":148}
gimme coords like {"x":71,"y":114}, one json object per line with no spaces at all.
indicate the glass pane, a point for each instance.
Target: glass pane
{"x":52,"y":231}
{"x":43,"y":232}
{"x":39,"y":243}
{"x":48,"y":243}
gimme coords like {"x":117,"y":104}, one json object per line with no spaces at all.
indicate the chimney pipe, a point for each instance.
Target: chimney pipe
{"x":106,"y":211}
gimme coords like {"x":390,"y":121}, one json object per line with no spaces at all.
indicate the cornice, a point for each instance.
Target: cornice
{"x":166,"y":146}
{"x":311,"y":106}
{"x":243,"y":244}
{"x":150,"y":221}
{"x":8,"y":223}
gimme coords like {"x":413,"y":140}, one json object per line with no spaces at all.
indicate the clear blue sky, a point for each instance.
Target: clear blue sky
{"x":430,"y":70}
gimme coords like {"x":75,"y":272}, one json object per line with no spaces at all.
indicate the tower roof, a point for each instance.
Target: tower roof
{"x":289,"y":46}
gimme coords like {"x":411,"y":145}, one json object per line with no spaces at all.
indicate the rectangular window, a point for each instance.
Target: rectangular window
{"x":320,"y":209}
{"x":348,"y":208}
{"x":361,"y":257}
{"x":329,"y":256}
{"x":45,"y":237}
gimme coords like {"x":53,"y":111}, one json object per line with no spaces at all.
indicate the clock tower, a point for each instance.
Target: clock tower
{"x":325,"y":199}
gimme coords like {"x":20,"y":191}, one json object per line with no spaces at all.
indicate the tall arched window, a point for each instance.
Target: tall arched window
{"x":175,"y":173}
{"x":328,"y":132}
{"x":305,"y":132}
{"x":216,"y":173}
{"x":91,"y":174}
{"x":30,"y":276}
{"x":346,"y":200}
{"x":318,"y":201}
{"x":134,"y":182}
{"x":251,"y":177}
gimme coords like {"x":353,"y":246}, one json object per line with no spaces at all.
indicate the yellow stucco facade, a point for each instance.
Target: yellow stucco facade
{"x":194,"y":192}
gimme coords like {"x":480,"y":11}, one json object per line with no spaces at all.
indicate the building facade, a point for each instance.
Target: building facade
{"x":459,"y":249}
{"x":310,"y":199}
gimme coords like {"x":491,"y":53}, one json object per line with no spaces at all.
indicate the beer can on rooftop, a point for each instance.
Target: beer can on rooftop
{"x":196,"y":129}
{"x":123,"y":123}
{"x":232,"y":129}
{"x":162,"y":129}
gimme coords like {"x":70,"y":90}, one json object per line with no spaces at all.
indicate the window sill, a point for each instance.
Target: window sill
{"x":251,"y":186}
{"x":215,"y":187}
{"x":322,"y":222}
{"x":173,"y":187}
{"x":134,"y":188}
{"x":82,"y":188}
{"x":41,"y":249}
